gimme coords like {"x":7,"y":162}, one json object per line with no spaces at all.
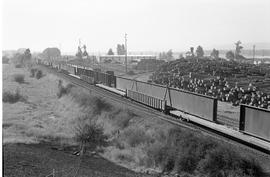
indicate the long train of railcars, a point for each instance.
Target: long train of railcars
{"x":253,"y":121}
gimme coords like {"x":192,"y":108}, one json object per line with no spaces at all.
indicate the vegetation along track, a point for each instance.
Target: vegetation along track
{"x":150,"y":111}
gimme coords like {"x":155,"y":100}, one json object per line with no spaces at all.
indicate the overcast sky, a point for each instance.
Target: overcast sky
{"x":151,"y":25}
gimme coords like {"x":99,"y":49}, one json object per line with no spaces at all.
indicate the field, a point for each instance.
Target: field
{"x":39,"y":131}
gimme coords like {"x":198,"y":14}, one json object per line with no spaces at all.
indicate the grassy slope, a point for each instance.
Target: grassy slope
{"x":44,"y":117}
{"x":34,"y":129}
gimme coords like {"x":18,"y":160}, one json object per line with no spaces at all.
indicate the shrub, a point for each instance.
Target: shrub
{"x":123,"y":156}
{"x":39,"y":74}
{"x":88,"y":132}
{"x":131,"y":72}
{"x":19,"y":78}
{"x":33,"y":72}
{"x":5,"y":60}
{"x":63,"y":90}
{"x":18,"y":66}
{"x":96,"y":104}
{"x":224,"y":160}
{"x":122,"y":117}
{"x":9,"y":97}
{"x":135,"y":136}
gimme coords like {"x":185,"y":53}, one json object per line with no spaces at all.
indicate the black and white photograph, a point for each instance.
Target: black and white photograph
{"x":135,"y":88}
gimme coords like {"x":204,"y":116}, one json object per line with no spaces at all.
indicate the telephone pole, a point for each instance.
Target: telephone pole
{"x":126,"y":51}
{"x":253,"y":53}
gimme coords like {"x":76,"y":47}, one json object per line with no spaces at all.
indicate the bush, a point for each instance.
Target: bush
{"x":131,"y":72}
{"x":126,"y":157}
{"x":19,"y":78}
{"x":5,"y":60}
{"x":224,"y":160}
{"x":135,"y":136}
{"x":18,"y":66}
{"x":88,"y":132}
{"x":121,"y":118}
{"x":33,"y":72}
{"x":63,"y":90}
{"x":39,"y":74}
{"x":9,"y":97}
{"x":96,"y":104}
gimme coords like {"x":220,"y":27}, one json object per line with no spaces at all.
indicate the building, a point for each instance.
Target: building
{"x":121,"y":58}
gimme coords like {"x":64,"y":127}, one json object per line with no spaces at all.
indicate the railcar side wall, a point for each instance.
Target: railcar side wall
{"x":150,"y":89}
{"x":195,"y":104}
{"x":124,"y":84}
{"x":255,"y":121}
{"x":147,"y":100}
{"x":198,"y":105}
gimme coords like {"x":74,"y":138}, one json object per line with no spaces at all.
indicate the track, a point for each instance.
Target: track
{"x":152,"y":112}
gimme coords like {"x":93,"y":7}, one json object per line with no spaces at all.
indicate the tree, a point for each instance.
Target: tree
{"x":49,"y":53}
{"x":85,"y":53}
{"x":166,"y":55}
{"x":121,"y":49}
{"x":214,"y":54}
{"x":199,"y":51}
{"x":79,"y":53}
{"x":22,"y":59}
{"x":181,"y":56}
{"x":238,"y":49}
{"x":230,"y":55}
{"x":169,"y":55}
{"x":192,"y":51}
{"x":27,"y":54}
{"x":110,"y":52}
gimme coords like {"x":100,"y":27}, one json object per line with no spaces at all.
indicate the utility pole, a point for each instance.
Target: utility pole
{"x":253,"y":54}
{"x":126,"y":51}
{"x":80,"y":42}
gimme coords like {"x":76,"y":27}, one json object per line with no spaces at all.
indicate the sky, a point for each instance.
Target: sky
{"x":151,"y":25}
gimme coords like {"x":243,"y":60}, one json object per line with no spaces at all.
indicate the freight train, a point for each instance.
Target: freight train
{"x":253,"y":121}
